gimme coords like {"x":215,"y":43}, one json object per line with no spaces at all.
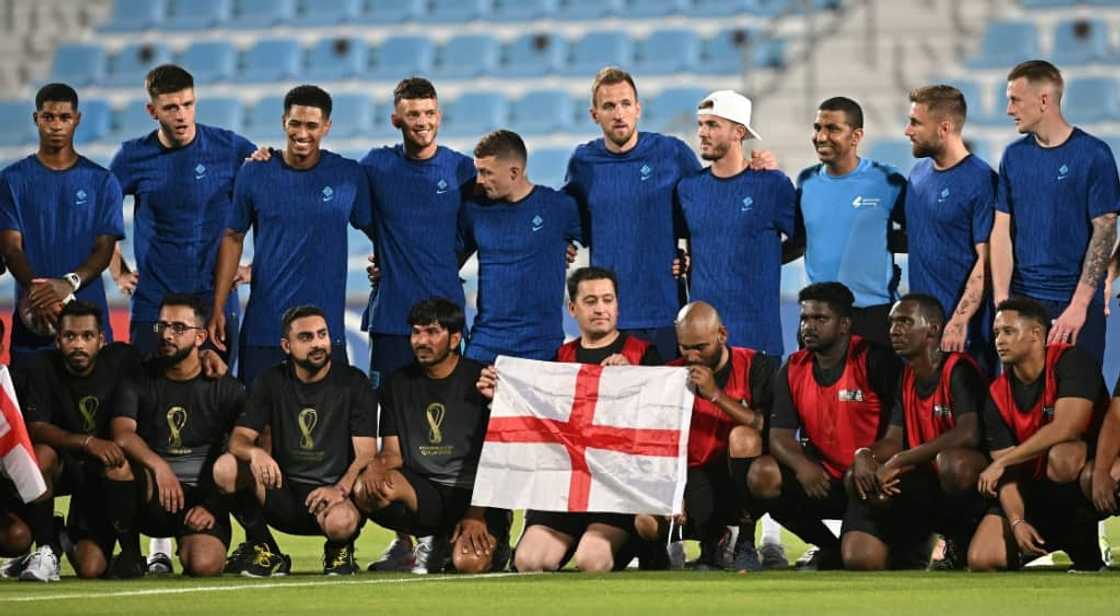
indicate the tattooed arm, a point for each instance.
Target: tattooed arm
{"x":1068,"y":325}
{"x":956,"y":330}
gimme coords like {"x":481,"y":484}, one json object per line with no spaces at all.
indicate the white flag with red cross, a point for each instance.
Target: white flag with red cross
{"x":17,"y":458}
{"x":577,"y":437}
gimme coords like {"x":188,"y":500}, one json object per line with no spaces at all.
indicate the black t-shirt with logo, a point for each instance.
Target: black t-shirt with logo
{"x":185,"y":422}
{"x":312,"y":423}
{"x":441,"y":423}
{"x":596,"y":356}
{"x":78,"y":404}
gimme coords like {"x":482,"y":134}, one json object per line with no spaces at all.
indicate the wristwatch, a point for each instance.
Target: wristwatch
{"x":74,"y":280}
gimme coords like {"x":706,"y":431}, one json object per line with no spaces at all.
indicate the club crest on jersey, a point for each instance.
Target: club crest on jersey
{"x":81,"y":198}
{"x":646,"y":171}
{"x":1048,"y":413}
{"x":859,"y":202}
{"x":941,"y":411}
{"x":944,"y":196}
{"x":748,"y":204}
{"x":1063,"y":172}
{"x":441,"y":187}
{"x":199,"y":171}
{"x":328,"y":194}
{"x":538,"y":223}
{"x":851,"y":395}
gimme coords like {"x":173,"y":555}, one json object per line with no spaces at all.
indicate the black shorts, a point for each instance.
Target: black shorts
{"x":88,"y":518}
{"x":10,"y":501}
{"x":439,"y":509}
{"x":905,"y":523}
{"x":1073,"y":531}
{"x":832,"y":507}
{"x":285,"y":508}
{"x":155,"y":521}
{"x":575,"y":524}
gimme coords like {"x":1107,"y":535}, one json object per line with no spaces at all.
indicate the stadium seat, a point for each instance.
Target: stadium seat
{"x":131,"y":64}
{"x":720,"y":8}
{"x":197,"y":14}
{"x":263,"y":122}
{"x":1091,"y":99}
{"x":522,"y":10}
{"x":455,"y":11}
{"x":1047,"y":4}
{"x":333,"y":59}
{"x":1081,"y":41}
{"x":542,"y":112}
{"x":135,"y":15}
{"x":227,"y":113}
{"x":896,"y":152}
{"x":588,"y":9}
{"x":271,"y":60}
{"x":548,"y":166}
{"x":78,"y":64}
{"x":401,"y":56}
{"x":327,"y":12}
{"x":724,"y":53}
{"x":984,"y":150}
{"x":533,"y":55}
{"x":96,"y":121}
{"x":16,"y":126}
{"x":253,"y":14}
{"x":392,"y":11}
{"x":673,"y":109}
{"x":582,"y":123}
{"x":210,"y":61}
{"x":596,"y":50}
{"x":1005,"y":44}
{"x":131,"y":121}
{"x":465,"y":56}
{"x":352,"y":116}
{"x":475,"y":114}
{"x":381,"y":125}
{"x":655,"y":8}
{"x":1113,"y":142}
{"x":974,"y":97}
{"x":667,"y":51}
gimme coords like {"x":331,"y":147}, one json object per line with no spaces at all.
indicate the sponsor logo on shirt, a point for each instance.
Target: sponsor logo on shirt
{"x":441,"y":187}
{"x":940,"y":411}
{"x":944,"y":196}
{"x":538,"y":223}
{"x":199,"y":171}
{"x":1063,"y":172}
{"x":81,"y":198}
{"x":328,"y":194}
{"x":851,"y":395}
{"x":859,"y":202}
{"x":748,"y":204}
{"x":646,"y":171}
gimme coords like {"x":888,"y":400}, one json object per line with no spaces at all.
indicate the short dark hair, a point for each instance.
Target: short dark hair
{"x":1027,"y":308}
{"x":413,"y":88}
{"x":838,"y":297}
{"x":167,"y":79}
{"x":56,"y":93}
{"x":308,"y":96}
{"x":853,"y":113}
{"x":439,"y":310}
{"x":503,"y":144}
{"x":1036,"y":72}
{"x":943,"y":101}
{"x":298,"y":312}
{"x":929,"y":305}
{"x":198,"y":307}
{"x":609,"y":76}
{"x":589,"y":273}
{"x":79,"y":308}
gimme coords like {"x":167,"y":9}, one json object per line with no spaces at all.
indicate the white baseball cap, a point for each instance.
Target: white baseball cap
{"x":729,"y":105}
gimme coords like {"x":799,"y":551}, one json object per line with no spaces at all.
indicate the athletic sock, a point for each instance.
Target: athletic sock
{"x":159,"y":545}
{"x":40,"y":519}
{"x":122,"y":513}
{"x":738,"y":468}
{"x":249,"y":514}
{"x":771,"y":531}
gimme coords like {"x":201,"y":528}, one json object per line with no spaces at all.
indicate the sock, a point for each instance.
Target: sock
{"x":738,"y":468}
{"x":121,"y":496}
{"x":40,"y":518}
{"x":159,"y":545}
{"x":771,"y":531}
{"x":1100,"y":530}
{"x":249,"y":514}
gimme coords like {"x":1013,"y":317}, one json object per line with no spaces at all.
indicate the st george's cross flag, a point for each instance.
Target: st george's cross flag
{"x":574,"y":437}
{"x":17,"y":458}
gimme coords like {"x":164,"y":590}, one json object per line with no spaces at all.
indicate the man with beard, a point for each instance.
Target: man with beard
{"x":921,"y":476}
{"x":837,"y":392}
{"x":172,"y":425}
{"x":847,"y":210}
{"x":321,"y":414}
{"x":433,"y":423}
{"x":950,"y":201}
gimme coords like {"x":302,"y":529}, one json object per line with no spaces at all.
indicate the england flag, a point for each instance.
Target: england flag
{"x":17,"y":458}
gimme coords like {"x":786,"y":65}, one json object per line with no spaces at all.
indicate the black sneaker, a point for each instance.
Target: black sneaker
{"x":339,"y":560}
{"x":239,"y":558}
{"x":263,"y":563}
{"x":951,"y":558}
{"x":128,"y":566}
{"x":823,"y":559}
{"x":709,"y":557}
{"x":746,"y":558}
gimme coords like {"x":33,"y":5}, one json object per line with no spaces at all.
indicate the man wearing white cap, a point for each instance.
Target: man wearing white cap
{"x":735,"y":217}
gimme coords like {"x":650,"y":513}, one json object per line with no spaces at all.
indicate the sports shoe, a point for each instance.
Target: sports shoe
{"x":11,"y":568}
{"x":160,"y":564}
{"x":746,"y":556}
{"x":773,"y":556}
{"x":339,"y":560}
{"x":127,"y":566}
{"x":397,"y":557}
{"x":709,"y":560}
{"x":239,"y":558}
{"x":263,"y":563}
{"x":42,"y":566}
{"x":677,"y":556}
{"x":807,"y":557}
{"x":503,"y":553}
{"x":821,"y":560}
{"x":432,"y":554}
{"x":951,"y":558}
{"x":727,"y":547}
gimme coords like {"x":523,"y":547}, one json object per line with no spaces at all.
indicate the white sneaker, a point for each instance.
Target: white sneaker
{"x":11,"y":568}
{"x":677,"y":556}
{"x":431,"y":554}
{"x":160,"y":564}
{"x":42,"y":566}
{"x":397,"y":557}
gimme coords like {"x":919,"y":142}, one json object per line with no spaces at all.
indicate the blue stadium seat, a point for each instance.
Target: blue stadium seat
{"x":263,"y":122}
{"x":984,"y":150}
{"x":542,"y":112}
{"x":352,"y":116}
{"x":97,"y":119}
{"x":465,"y":56}
{"x":582,"y":122}
{"x":720,"y":8}
{"x":271,"y":60}
{"x":382,"y":128}
{"x":131,"y":64}
{"x":978,"y":110}
{"x":132,"y":121}
{"x":596,"y":50}
{"x":16,"y":126}
{"x":210,"y":61}
{"x":1113,"y":142}
{"x":548,"y":166}
{"x":135,"y":15}
{"x":1005,"y":44}
{"x":475,"y":114}
{"x":1081,"y":41}
{"x":327,"y":12}
{"x":392,"y":11}
{"x":1092,"y":99}
{"x":533,"y":55}
{"x":656,"y":8}
{"x":253,"y":14}
{"x":1047,"y":4}
{"x":227,"y":113}
{"x":455,"y":11}
{"x":522,"y":10}
{"x":895,"y":152}
{"x":724,"y":53}
{"x":333,"y":59}
{"x":673,"y":109}
{"x":197,"y":14}
{"x":78,"y":64}
{"x":667,"y":51}
{"x":401,"y":56}
{"x":588,"y":9}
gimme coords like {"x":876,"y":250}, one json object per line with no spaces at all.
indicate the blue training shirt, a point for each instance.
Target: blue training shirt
{"x":1053,"y":195}
{"x":183,"y":200}
{"x":299,"y":220}
{"x":846,"y":220}
{"x":627,"y":202}
{"x":415,"y":214}
{"x":522,"y":258}
{"x":60,"y":214}
{"x":735,"y":228}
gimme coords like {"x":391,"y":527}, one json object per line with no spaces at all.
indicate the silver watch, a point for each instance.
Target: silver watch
{"x":74,"y":280}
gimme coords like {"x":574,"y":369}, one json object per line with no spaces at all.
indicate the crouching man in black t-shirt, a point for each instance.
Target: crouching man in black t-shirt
{"x":433,"y":422}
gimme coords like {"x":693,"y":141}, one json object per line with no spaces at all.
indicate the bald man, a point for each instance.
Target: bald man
{"x":733,"y":394}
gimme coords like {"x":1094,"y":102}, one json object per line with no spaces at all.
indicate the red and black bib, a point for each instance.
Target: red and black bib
{"x":632,"y":349}
{"x":842,"y":417}
{"x":929,"y":418}
{"x":710,"y":427}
